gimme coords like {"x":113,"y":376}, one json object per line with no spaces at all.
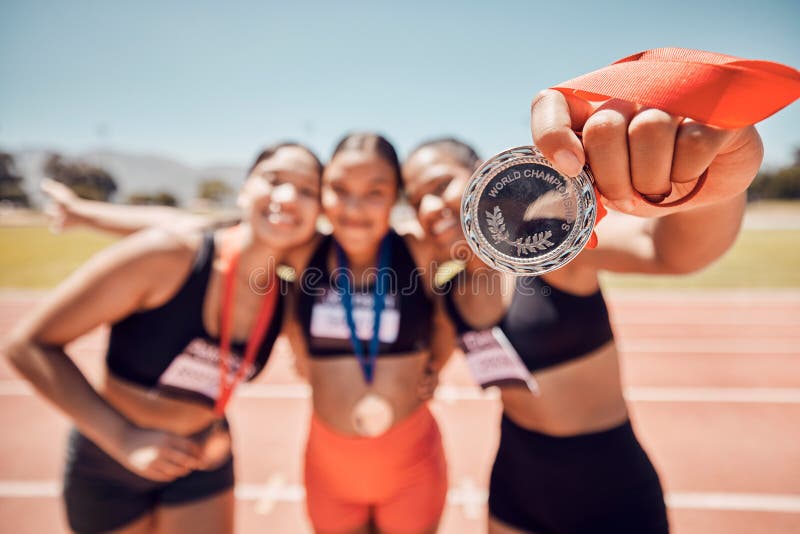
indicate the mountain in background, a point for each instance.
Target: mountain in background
{"x":133,"y":173}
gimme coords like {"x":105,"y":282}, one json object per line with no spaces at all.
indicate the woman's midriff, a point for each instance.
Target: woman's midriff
{"x":584,"y":395}
{"x":338,"y":384}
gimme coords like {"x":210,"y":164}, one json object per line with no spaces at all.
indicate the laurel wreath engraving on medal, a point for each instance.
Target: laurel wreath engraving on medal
{"x":525,"y":245}
{"x":497,"y":225}
{"x":534,"y":243}
{"x":522,"y":245}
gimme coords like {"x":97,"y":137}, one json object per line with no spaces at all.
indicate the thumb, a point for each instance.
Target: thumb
{"x":554,"y":120}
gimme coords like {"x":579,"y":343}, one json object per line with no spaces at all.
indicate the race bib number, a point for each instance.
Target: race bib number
{"x":195,"y":371}
{"x":493,"y":361}
{"x":328,"y":319}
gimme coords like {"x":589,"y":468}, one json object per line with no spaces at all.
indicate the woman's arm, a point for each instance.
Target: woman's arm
{"x":294,"y":335}
{"x":297,"y":260}
{"x":481,"y":293}
{"x":443,"y":340}
{"x":131,"y":275}
{"x":68,"y":210}
{"x":678,"y":243}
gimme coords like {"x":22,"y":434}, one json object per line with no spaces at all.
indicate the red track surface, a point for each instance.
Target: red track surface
{"x":713,"y":381}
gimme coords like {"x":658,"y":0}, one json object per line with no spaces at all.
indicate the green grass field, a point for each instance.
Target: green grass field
{"x":759,"y":259}
{"x":33,"y":258}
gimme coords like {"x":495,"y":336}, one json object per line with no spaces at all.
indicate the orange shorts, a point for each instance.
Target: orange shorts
{"x":399,"y":478}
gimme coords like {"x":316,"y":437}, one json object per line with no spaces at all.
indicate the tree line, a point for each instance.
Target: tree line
{"x":93,"y":183}
{"x":783,"y":183}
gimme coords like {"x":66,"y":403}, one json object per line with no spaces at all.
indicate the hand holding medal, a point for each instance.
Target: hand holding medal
{"x":654,"y":126}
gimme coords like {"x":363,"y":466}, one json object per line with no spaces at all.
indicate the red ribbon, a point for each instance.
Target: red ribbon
{"x":714,"y":89}
{"x":230,"y":259}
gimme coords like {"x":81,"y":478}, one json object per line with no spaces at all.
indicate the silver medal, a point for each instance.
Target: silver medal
{"x":521,"y":216}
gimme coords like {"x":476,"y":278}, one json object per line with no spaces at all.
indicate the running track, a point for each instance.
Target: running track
{"x":712,"y":379}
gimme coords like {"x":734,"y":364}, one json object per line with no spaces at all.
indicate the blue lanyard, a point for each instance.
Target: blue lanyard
{"x":379,"y":301}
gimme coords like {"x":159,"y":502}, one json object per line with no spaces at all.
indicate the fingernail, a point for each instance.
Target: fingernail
{"x":655,"y":199}
{"x":567,"y":163}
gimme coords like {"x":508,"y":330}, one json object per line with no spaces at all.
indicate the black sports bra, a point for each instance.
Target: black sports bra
{"x":545,"y":325}
{"x":405,"y":321}
{"x":168,"y":348}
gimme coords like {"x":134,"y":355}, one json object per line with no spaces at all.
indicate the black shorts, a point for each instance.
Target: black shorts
{"x":100,"y":494}
{"x":591,"y":483}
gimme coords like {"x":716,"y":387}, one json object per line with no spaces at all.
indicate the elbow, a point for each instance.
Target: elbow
{"x":691,"y":265}
{"x":700,"y":260}
{"x":681,"y":268}
{"x":14,"y":352}
{"x":17,"y":352}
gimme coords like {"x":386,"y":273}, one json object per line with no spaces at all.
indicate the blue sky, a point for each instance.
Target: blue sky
{"x":211,"y":83}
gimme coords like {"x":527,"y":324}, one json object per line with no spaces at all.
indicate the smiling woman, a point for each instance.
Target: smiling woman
{"x":568,"y":458}
{"x":360,"y":186}
{"x":151,"y":447}
{"x":283,"y":176}
{"x":366,"y":315}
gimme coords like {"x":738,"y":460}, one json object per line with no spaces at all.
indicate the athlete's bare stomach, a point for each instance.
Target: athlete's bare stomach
{"x":581,"y":396}
{"x":338,"y":385}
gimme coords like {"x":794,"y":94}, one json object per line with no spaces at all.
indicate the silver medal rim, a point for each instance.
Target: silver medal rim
{"x":558,"y":257}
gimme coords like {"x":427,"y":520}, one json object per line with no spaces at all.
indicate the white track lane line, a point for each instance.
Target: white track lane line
{"x":449,"y":394}
{"x":748,"y":347}
{"x":466,"y":495}
{"x":750,"y":502}
{"x":688,"y":298}
{"x":667,"y":321}
{"x":700,"y":394}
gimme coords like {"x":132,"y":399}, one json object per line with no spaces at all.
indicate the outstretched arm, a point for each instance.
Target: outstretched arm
{"x":678,"y":243}
{"x":67,"y":210}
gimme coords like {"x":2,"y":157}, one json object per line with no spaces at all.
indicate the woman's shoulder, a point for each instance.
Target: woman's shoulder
{"x":164,"y":244}
{"x":163,"y":256}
